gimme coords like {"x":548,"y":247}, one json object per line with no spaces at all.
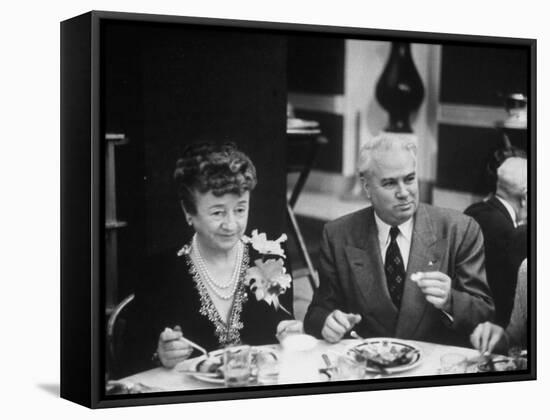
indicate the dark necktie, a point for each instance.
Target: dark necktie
{"x":395,"y":270}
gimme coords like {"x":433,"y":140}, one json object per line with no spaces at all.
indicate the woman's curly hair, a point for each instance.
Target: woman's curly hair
{"x":220,"y":168}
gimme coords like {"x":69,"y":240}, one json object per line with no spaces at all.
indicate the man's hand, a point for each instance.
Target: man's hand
{"x":436,"y":287}
{"x":338,"y":324}
{"x":171,"y":348}
{"x":486,"y":336}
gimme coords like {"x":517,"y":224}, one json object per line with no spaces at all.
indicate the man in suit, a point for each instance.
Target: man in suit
{"x":399,"y":268}
{"x":500,"y":218}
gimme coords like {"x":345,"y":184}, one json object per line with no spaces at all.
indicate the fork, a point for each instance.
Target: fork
{"x":355,"y":335}
{"x":329,"y":369}
{"x":192,"y":343}
{"x":196,"y":346}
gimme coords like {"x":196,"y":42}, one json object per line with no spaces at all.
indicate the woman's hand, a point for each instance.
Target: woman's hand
{"x":290,"y":326}
{"x":172,"y":349}
{"x":486,"y":336}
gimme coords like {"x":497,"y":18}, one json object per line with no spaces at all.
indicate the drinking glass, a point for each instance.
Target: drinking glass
{"x":453,"y":363}
{"x":519,"y":357}
{"x":237,"y":365}
{"x":267,"y":365}
{"x":347,"y":368}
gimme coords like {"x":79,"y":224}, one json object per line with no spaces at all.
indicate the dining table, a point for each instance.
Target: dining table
{"x":306,"y":366}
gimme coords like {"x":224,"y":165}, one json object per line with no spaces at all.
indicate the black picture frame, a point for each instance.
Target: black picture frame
{"x":83,"y":288}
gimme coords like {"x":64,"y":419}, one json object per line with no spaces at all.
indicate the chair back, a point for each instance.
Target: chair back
{"x":114,"y":333}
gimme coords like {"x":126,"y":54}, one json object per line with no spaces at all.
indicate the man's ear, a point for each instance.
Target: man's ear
{"x":523,"y":201}
{"x":523,"y":198}
{"x":365,"y":184}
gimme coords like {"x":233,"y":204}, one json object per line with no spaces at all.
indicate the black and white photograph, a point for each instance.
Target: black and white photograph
{"x":274,"y":210}
{"x":288,"y":206}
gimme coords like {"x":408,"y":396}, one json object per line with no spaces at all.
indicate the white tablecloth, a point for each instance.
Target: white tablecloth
{"x":301,"y":367}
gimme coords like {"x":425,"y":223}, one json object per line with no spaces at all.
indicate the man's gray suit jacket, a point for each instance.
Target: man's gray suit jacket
{"x":352,"y":278}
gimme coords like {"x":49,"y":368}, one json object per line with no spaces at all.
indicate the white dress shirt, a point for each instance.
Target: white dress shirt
{"x":403,"y":239}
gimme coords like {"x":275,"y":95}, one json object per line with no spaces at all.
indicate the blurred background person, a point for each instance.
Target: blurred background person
{"x":501,"y":218}
{"x":489,"y":337}
{"x":497,"y":158}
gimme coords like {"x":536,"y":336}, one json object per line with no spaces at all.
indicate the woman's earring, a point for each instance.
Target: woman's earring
{"x":189,"y":222}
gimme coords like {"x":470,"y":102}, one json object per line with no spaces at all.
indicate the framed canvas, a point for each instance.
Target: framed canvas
{"x":294,"y":277}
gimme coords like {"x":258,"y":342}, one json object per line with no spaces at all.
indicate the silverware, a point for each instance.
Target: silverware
{"x":196,"y":346}
{"x":355,"y":335}
{"x":177,"y":328}
{"x":329,"y":369}
{"x":475,"y":360}
{"x":488,"y":360}
{"x":326,"y":360}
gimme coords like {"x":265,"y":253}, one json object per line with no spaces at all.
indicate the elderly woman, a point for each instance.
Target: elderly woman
{"x":201,"y":291}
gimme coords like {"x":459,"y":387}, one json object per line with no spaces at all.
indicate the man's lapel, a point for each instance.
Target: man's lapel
{"x":366,"y":265}
{"x":424,"y":256}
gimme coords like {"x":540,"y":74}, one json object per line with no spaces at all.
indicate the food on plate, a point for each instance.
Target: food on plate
{"x":384,"y":354}
{"x":497,"y":364}
{"x":212,"y":365}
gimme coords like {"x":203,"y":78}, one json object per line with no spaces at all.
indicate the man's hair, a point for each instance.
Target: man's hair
{"x":512,"y":177}
{"x":496,"y":159}
{"x":383,"y":142}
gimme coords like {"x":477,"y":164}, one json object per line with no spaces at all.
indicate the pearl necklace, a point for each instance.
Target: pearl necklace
{"x":219,"y":288}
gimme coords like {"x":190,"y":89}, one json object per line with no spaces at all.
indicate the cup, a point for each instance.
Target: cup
{"x":453,"y":363}
{"x":267,"y":365}
{"x":519,"y":358}
{"x":348,"y":368}
{"x":237,"y":366}
{"x":297,"y":363}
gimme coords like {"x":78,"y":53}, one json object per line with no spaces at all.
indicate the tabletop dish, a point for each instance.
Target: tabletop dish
{"x":497,"y":364}
{"x":210,"y":369}
{"x":386,"y":355}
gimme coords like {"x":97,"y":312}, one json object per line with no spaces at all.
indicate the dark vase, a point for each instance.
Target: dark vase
{"x":399,"y":90}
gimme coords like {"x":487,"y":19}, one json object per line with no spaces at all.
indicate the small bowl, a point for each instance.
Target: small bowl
{"x":298,"y":342}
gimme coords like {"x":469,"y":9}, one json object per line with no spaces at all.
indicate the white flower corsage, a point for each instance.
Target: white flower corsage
{"x":264,"y":246}
{"x":268,"y":278}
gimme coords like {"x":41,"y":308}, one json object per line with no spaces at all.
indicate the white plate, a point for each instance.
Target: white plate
{"x":189,"y":366}
{"x":390,"y":345}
